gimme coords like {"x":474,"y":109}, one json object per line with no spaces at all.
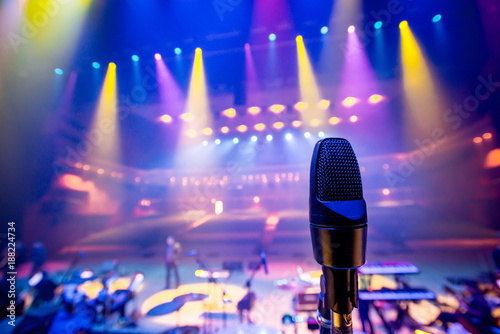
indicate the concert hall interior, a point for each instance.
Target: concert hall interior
{"x":157,"y":161}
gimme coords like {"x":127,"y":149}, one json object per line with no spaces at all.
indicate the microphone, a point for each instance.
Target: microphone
{"x":338,"y":225}
{"x":264,"y":262}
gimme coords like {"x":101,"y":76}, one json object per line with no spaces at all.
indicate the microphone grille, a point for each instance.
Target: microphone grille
{"x":337,"y":176}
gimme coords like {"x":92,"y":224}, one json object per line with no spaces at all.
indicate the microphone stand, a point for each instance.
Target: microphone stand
{"x":334,"y":309}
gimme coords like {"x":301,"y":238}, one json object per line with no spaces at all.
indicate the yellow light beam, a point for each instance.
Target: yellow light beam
{"x":422,"y":98}
{"x":309,"y":90}
{"x":197,"y":103}
{"x":104,"y":134}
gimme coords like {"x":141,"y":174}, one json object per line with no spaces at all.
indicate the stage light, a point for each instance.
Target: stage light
{"x":157,"y":56}
{"x":272,"y":220}
{"x":334,"y":120}
{"x":349,"y":101}
{"x":437,"y":18}
{"x":378,"y":25}
{"x":269,"y":137}
{"x":296,"y":124}
{"x":253,"y":110}
{"x":307,"y":135}
{"x":217,"y":141}
{"x":242,"y":128}
{"x":375,"y":98}
{"x":324,"y":30}
{"x":166,"y":118}
{"x":236,"y":140}
{"x":288,"y":136}
{"x":230,"y":113}
{"x":137,"y":179}
{"x":186,"y":117}
{"x":86,"y":167}
{"x":224,"y":129}
{"x":58,"y":71}
{"x":300,"y":106}
{"x":477,"y":140}
{"x":321,"y":134}
{"x":145,"y":202}
{"x":276,"y":108}
{"x":96,"y":65}
{"x":351,"y":29}
{"x":386,"y":191}
{"x":191,"y":133}
{"x":100,"y":171}
{"x":272,"y":37}
{"x":207,"y":131}
{"x":112,"y":66}
{"x":198,"y":51}
{"x":386,"y":166}
{"x":135,"y":58}
{"x":278,"y":125}
{"x":205,"y":143}
{"x":403,"y":25}
{"x":487,"y":135}
{"x":253,"y":138}
{"x":315,"y":122}
{"x":353,"y":119}
{"x":78,"y":165}
{"x":178,"y":51}
{"x":219,"y":207}
{"x":259,"y":126}
{"x":324,"y":104}
{"x":256,"y":199}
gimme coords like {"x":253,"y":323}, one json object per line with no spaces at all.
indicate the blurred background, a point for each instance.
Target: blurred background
{"x":125,"y":122}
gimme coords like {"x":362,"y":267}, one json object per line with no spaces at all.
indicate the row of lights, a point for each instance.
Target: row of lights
{"x":272,"y":37}
{"x":268,"y":137}
{"x":484,"y":137}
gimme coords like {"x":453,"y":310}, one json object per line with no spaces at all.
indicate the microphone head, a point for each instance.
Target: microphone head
{"x":337,"y":171}
{"x":336,"y":190}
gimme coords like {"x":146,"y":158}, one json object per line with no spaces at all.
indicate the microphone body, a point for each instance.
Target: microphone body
{"x":338,"y":225}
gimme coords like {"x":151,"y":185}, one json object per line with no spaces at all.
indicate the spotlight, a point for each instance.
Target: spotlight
{"x":349,"y":101}
{"x":259,"y":126}
{"x":276,"y":108}
{"x":321,"y":134}
{"x":112,"y":65}
{"x":324,"y":104}
{"x":278,"y":125}
{"x":253,"y":138}
{"x":207,"y":131}
{"x":375,"y":98}
{"x":186,"y":117}
{"x":324,"y":30}
{"x":253,"y":110}
{"x":272,"y":37}
{"x":288,"y":136}
{"x":403,"y":25}
{"x":487,"y":135}
{"x":296,"y":124}
{"x":477,"y":140}
{"x":378,"y":25}
{"x":315,"y":122}
{"x":386,"y":191}
{"x":269,"y":137}
{"x":217,"y":141}
{"x":437,"y":18}
{"x":157,"y":56}
{"x":256,"y":199}
{"x":205,"y":143}
{"x":334,"y":120}
{"x":58,"y":71}
{"x":177,"y":51}
{"x":135,"y":58}
{"x":191,"y":133}
{"x":353,"y":119}
{"x":242,"y":128}
{"x":198,"y":51}
{"x":224,"y":129}
{"x":96,"y":65}
{"x":351,"y":29}
{"x":300,"y":106}
{"x":231,"y":112}
{"x":236,"y":140}
{"x":299,"y":39}
{"x":166,"y":118}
